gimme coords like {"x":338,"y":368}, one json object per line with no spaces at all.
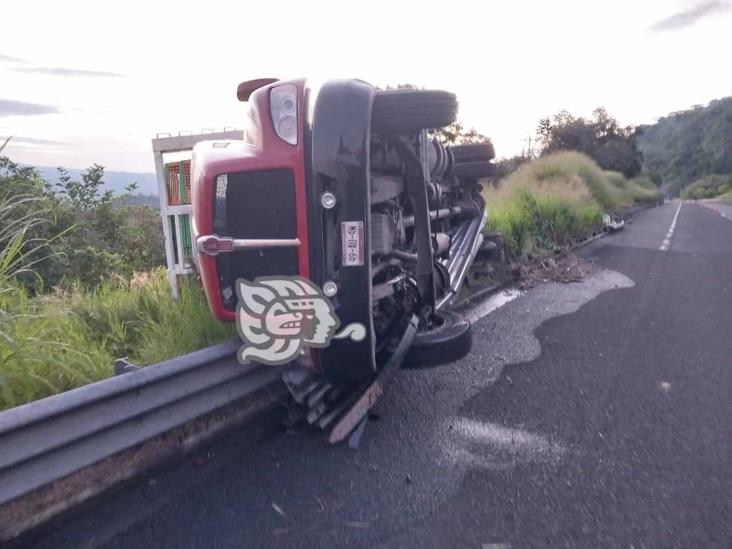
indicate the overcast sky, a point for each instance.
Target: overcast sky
{"x":84,"y":82}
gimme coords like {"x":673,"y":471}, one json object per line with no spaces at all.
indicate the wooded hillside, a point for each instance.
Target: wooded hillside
{"x":688,"y":145}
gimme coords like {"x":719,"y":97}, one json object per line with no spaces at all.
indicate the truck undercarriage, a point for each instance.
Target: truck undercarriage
{"x":361,"y":198}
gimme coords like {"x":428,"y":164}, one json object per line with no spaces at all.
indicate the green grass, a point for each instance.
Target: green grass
{"x":558,"y":199}
{"x":56,"y":341}
{"x":53,"y":342}
{"x":710,"y":186}
{"x":63,"y":340}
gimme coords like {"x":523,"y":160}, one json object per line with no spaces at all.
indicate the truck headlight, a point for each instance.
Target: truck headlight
{"x":283,"y":108}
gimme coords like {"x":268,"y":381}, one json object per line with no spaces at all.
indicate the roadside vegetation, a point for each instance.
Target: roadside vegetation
{"x":685,"y":147}
{"x":559,"y":199}
{"x":710,"y":186}
{"x":57,"y":341}
{"x":81,"y":285}
{"x":555,"y":195}
{"x":612,"y":146}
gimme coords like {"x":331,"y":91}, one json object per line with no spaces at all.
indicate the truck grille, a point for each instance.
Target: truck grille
{"x":257,"y":204}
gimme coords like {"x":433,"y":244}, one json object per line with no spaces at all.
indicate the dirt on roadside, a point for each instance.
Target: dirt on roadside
{"x":564,"y":268}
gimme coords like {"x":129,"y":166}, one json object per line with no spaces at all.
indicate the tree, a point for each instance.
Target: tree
{"x":457,"y":134}
{"x":506,"y":166}
{"x":688,"y":145}
{"x":619,"y":155}
{"x":84,"y":194}
{"x":93,"y":236}
{"x":601,"y":137}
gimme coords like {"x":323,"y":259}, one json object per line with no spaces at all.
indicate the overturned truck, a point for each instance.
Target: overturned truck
{"x":344,"y":187}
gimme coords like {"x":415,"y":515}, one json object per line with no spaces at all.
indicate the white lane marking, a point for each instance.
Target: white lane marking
{"x":667,"y":241}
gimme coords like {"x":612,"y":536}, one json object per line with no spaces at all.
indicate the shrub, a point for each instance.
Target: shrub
{"x":557,"y":199}
{"x":70,"y":302}
{"x":709,"y":186}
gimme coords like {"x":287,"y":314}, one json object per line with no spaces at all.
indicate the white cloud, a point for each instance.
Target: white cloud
{"x":9,"y":107}
{"x":690,"y":15}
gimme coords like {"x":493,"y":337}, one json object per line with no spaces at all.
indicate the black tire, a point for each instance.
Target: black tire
{"x":451,"y":340}
{"x":409,"y":111}
{"x":474,"y":170}
{"x":474,"y":152}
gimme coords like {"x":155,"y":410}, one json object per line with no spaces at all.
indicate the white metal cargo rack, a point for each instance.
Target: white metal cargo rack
{"x":172,"y":170}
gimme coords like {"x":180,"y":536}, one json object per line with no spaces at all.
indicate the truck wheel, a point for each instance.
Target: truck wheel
{"x":473,"y":152}
{"x":473,"y":170}
{"x":409,"y":111}
{"x":450,"y":339}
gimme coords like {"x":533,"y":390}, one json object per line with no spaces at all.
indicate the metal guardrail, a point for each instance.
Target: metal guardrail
{"x":46,"y":440}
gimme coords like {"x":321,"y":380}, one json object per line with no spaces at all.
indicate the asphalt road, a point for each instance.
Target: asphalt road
{"x":592,"y":414}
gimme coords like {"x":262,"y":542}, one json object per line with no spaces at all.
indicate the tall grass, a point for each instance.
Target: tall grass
{"x":44,"y":351}
{"x":141,"y":321}
{"x":68,"y":338}
{"x":58,"y":341}
{"x":24,"y":329}
{"x":557,"y":199}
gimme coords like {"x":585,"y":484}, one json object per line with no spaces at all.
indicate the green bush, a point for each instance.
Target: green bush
{"x":70,"y":300}
{"x":558,"y":199}
{"x":710,"y":186}
{"x":96,"y":237}
{"x":536,"y":222}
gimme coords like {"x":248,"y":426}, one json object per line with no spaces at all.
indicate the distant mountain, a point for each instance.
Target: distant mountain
{"x":688,"y":145}
{"x":116,"y":181}
{"x":142,"y":200}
